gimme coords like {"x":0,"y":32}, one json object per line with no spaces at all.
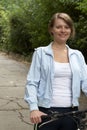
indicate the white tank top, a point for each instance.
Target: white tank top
{"x":61,"y":85}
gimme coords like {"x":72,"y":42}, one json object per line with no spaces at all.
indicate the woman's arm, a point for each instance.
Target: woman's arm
{"x":33,"y":79}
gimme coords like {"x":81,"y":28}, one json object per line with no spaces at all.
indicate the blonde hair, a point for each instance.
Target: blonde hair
{"x":66,"y":18}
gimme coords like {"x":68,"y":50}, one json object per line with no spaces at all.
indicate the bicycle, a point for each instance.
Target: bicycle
{"x":79,"y":117}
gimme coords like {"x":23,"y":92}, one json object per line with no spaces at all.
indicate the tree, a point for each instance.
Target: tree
{"x":82,"y":27}
{"x":40,"y":13}
{"x":28,"y":23}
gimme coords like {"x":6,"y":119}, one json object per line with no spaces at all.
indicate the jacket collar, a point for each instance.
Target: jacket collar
{"x":71,"y":51}
{"x":48,"y":49}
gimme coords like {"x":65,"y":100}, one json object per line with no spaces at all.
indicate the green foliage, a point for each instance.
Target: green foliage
{"x":4,"y":28}
{"x":82,"y":5}
{"x":14,"y":24}
{"x":24,"y":24}
{"x":19,"y":32}
{"x":40,"y":13}
{"x":82,"y":27}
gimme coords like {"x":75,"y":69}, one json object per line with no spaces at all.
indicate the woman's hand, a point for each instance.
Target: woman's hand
{"x":35,"y":116}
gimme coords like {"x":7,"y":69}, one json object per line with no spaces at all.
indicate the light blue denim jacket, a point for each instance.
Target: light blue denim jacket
{"x":38,"y":91}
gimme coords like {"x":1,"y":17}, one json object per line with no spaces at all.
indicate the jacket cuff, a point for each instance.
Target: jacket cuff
{"x":33,"y":107}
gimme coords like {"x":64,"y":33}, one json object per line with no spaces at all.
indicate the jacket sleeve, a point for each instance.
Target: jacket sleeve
{"x":84,"y":75}
{"x":33,"y":79}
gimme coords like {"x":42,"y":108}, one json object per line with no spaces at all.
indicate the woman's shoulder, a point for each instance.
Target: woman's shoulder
{"x":75,"y":51}
{"x":41,"y":49}
{"x":78,"y":52}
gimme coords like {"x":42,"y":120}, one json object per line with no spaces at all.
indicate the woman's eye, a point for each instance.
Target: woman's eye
{"x":58,"y":27}
{"x":67,"y":27}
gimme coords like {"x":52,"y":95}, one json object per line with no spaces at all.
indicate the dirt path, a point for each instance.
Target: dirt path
{"x":14,"y":112}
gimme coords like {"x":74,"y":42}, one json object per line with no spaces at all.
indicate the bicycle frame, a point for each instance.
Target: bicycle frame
{"x":79,"y":117}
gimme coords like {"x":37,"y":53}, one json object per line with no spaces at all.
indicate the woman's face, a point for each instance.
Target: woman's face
{"x":61,"y":31}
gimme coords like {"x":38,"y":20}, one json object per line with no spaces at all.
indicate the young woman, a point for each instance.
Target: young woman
{"x":56,"y":75}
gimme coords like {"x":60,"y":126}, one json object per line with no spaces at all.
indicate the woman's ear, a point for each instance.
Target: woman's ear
{"x":51,"y":32}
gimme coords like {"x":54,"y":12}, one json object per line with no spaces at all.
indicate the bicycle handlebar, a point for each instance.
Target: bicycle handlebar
{"x":80,"y":115}
{"x":58,"y":114}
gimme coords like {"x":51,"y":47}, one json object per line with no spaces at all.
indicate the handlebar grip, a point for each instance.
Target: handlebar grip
{"x":45,"y":117}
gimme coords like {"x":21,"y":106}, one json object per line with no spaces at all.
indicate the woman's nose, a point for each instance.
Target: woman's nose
{"x":63,"y":29}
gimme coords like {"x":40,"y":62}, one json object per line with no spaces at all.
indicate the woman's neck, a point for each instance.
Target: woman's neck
{"x":59,"y":46}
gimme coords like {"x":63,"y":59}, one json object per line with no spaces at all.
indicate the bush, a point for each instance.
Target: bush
{"x":24,"y":25}
{"x":19,"y":33}
{"x":4,"y":29}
